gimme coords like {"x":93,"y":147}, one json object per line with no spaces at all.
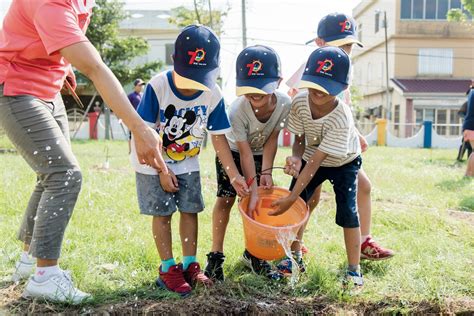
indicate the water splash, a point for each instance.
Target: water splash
{"x":285,"y":238}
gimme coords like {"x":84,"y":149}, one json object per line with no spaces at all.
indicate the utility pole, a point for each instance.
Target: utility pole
{"x":210,"y":14}
{"x":388,"y":115}
{"x":244,"y":26}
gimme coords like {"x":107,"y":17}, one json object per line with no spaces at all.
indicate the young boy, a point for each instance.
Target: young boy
{"x":180,"y":103}
{"x":257,"y":117}
{"x":333,"y":149}
{"x":339,"y":30}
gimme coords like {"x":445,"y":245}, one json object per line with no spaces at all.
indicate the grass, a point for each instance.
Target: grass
{"x":110,"y":250}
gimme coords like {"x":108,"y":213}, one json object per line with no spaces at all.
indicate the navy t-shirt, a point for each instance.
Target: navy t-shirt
{"x":135,"y":99}
{"x":469,"y":119}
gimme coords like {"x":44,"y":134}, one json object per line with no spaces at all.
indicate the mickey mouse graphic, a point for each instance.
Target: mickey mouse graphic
{"x":176,"y":134}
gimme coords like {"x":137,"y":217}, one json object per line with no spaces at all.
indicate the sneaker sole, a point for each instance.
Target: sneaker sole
{"x":27,"y":296}
{"x":364,"y":257}
{"x":159,"y":282}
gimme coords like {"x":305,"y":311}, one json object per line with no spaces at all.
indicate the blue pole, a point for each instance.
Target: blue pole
{"x":428,"y":134}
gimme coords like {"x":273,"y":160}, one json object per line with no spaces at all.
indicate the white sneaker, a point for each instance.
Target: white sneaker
{"x":58,"y":288}
{"x":23,"y":270}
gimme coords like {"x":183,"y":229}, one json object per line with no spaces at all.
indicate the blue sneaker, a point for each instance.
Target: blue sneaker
{"x":353,"y":278}
{"x":286,"y":266}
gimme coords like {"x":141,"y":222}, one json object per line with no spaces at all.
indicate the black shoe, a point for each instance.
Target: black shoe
{"x":260,"y":266}
{"x":214,"y":270}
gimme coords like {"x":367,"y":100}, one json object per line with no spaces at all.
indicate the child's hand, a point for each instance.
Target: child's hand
{"x":240,"y":186}
{"x":282,"y":205}
{"x":292,"y":92}
{"x":293,"y":166}
{"x":266,"y":181}
{"x":363,"y":143}
{"x":169,"y":182}
{"x":252,"y":207}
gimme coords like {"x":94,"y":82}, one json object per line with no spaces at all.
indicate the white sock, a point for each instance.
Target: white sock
{"x":26,"y":258}
{"x":44,"y":273}
{"x":364,"y":238}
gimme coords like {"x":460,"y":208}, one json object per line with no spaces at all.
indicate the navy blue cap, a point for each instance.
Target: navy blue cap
{"x":338,"y":29}
{"x":258,"y":70}
{"x":327,"y":70}
{"x":196,"y":58}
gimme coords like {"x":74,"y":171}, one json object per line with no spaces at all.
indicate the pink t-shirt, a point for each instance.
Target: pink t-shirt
{"x":32,"y":34}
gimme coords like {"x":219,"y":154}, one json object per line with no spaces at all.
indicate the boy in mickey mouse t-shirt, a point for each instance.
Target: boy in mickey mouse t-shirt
{"x":181,"y":103}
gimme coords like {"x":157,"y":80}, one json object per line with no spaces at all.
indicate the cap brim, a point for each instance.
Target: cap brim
{"x":322,"y":84}
{"x":185,"y":83}
{"x":344,"y":41}
{"x":260,"y":86}
{"x":310,"y":41}
{"x":196,"y":78}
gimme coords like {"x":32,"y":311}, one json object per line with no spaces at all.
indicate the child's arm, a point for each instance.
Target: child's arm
{"x":293,"y":163}
{"x":269,"y":152}
{"x":282,"y":205}
{"x":247,"y":163}
{"x":221,"y":146}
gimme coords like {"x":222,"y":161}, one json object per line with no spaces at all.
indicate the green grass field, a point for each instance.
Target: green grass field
{"x":421,"y":209}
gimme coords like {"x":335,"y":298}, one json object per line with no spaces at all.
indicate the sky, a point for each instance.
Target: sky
{"x":283,"y":25}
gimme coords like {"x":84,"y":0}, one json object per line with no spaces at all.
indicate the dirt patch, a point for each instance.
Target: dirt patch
{"x":466,"y":216}
{"x":217,"y":302}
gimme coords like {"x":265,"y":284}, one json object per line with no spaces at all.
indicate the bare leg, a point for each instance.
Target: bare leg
{"x":188,"y":231}
{"x":352,"y":241}
{"x":220,"y":219}
{"x":312,"y":203}
{"x":161,"y":227}
{"x":364,"y":204}
{"x":470,"y":162}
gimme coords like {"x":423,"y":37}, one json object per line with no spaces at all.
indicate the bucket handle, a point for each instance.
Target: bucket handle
{"x":261,"y":173}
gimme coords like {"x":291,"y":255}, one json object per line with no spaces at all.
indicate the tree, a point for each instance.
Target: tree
{"x":458,"y":14}
{"x":118,"y":52}
{"x":182,"y":16}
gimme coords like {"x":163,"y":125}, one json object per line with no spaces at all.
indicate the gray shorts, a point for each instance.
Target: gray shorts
{"x":153,"y":200}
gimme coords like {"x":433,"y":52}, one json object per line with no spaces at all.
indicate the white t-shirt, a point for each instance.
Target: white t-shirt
{"x":334,"y":134}
{"x":246,"y":127}
{"x":180,"y":121}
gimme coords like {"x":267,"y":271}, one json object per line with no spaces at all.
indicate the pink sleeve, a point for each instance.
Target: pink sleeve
{"x":58,"y":26}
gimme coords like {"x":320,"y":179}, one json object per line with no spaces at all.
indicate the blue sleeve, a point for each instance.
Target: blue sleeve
{"x":218,"y":121}
{"x":149,"y":106}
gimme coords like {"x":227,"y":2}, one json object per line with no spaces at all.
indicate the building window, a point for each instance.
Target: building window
{"x":396,"y":119}
{"x":169,"y":48}
{"x":435,"y":61}
{"x":455,"y":119}
{"x":419,"y":116}
{"x":441,"y":122}
{"x":428,"y":9}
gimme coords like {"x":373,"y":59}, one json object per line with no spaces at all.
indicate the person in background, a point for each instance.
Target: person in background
{"x":468,"y":131}
{"x":135,"y":97}
{"x":39,"y":41}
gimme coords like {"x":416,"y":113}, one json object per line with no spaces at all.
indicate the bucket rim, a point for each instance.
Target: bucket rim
{"x":305,"y":219}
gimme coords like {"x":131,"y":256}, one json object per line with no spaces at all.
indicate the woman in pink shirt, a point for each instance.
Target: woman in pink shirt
{"x":39,"y":40}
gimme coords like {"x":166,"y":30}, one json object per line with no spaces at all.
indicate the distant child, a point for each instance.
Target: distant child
{"x":332,"y":150}
{"x":181,"y":103}
{"x":338,"y":29}
{"x":257,"y":117}
{"x":468,"y":130}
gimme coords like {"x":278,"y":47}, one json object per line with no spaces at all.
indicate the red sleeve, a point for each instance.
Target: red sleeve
{"x":57,"y":25}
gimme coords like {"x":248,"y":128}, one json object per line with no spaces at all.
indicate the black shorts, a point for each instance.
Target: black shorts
{"x":344,"y":182}
{"x":224,"y":188}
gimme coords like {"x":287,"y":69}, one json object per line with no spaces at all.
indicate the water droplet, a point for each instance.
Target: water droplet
{"x":48,"y":148}
{"x":186,"y":239}
{"x":35,"y":152}
{"x":57,"y":142}
{"x":282,"y":124}
{"x":59,"y":157}
{"x":66,"y":183}
{"x":61,"y":208}
{"x":350,"y":189}
{"x":167,"y":203}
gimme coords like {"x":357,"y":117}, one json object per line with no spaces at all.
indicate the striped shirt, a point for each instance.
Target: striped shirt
{"x":334,"y":134}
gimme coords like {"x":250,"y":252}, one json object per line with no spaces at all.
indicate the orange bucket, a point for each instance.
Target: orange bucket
{"x":262,"y":231}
